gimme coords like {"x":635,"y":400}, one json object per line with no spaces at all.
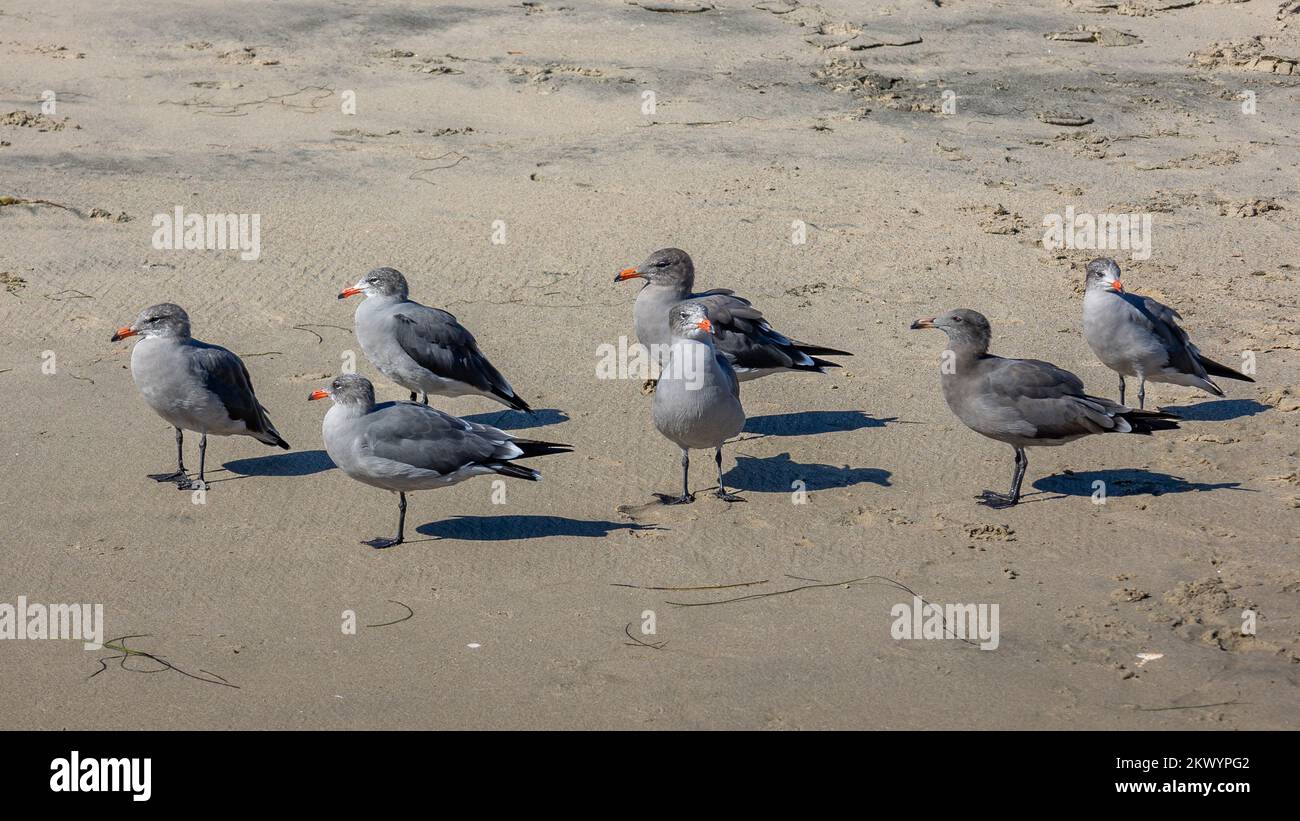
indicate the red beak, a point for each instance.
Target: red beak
{"x":123,"y":333}
{"x":318,"y":395}
{"x":705,"y":325}
{"x":350,"y":291}
{"x":1117,"y":287}
{"x":627,"y":273}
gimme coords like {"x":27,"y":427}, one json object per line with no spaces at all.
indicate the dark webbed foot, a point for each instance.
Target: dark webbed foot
{"x":996,"y":500}
{"x":380,"y":544}
{"x":177,"y":477}
{"x":648,"y":386}
{"x":191,"y":484}
{"x":665,"y":499}
{"x":727,"y":497}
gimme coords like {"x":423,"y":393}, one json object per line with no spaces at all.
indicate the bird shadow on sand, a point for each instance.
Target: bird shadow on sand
{"x":1126,"y":482}
{"x":294,"y":463}
{"x":518,"y":420}
{"x":808,"y":423}
{"x":514,"y":528}
{"x":777,"y":474}
{"x":1217,"y":410}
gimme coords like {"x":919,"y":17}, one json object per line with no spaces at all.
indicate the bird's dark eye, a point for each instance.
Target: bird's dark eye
{"x":956,"y":319}
{"x":663,"y":264}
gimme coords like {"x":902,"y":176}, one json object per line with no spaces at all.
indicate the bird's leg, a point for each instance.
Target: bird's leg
{"x":401,"y":526}
{"x":426,"y":398}
{"x":1121,"y":389}
{"x":414,"y":396}
{"x":180,"y":475}
{"x":686,"y":497}
{"x":999,"y":500}
{"x":722,"y":490}
{"x":199,"y":483}
{"x":1022,"y":465}
{"x":1142,"y":394}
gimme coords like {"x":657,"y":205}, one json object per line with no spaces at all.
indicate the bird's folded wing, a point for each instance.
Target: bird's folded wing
{"x":1049,"y":400}
{"x":743,"y":335}
{"x":438,"y":343}
{"x":1163,"y":322}
{"x":424,"y":437}
{"x":724,"y":365}
{"x":223,"y":373}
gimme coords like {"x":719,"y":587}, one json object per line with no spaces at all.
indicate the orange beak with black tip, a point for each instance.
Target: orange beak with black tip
{"x":351,"y":290}
{"x":628,"y":273}
{"x":923,"y":323}
{"x":123,"y":333}
{"x":1117,"y":287}
{"x":318,"y":395}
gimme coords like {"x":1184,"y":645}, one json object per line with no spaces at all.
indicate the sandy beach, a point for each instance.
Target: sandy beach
{"x":510,"y":158}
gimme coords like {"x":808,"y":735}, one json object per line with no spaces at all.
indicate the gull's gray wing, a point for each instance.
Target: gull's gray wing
{"x":427,"y":438}
{"x":1039,"y":400}
{"x":440,"y":344}
{"x":223,"y":373}
{"x":1162,"y":321}
{"x":746,"y":338}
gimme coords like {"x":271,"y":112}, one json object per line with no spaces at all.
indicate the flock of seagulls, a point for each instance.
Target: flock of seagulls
{"x":703,"y":344}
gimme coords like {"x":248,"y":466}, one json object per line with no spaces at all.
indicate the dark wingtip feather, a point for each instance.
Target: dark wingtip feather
{"x":534,"y":447}
{"x":817,"y":350}
{"x":1146,"y":422}
{"x":515,"y":471}
{"x":513,"y":401}
{"x":825,"y":363}
{"x":1216,"y":369}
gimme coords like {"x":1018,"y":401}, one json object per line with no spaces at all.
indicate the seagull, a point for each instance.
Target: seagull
{"x":1023,"y":402}
{"x":1137,"y":336}
{"x":194,"y":386}
{"x":405,"y":446}
{"x":425,"y":350}
{"x":697,"y":402}
{"x":741,"y":333}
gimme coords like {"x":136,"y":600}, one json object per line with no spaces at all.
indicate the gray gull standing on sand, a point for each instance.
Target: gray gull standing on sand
{"x":423,"y":349}
{"x":1023,"y":402}
{"x":404,"y":446}
{"x":194,"y":386}
{"x":740,"y":332}
{"x":697,"y":403}
{"x":1137,"y":336}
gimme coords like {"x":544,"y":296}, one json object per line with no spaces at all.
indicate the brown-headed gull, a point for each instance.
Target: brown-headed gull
{"x":1023,"y":402}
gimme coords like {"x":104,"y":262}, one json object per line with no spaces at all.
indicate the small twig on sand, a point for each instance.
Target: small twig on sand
{"x":702,"y":587}
{"x":57,"y":296}
{"x":415,"y":175}
{"x":319,"y":338}
{"x":409,"y":614}
{"x":21,"y":201}
{"x":816,"y":584}
{"x":636,"y":642}
{"x":1188,"y":707}
{"x":119,"y":644}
